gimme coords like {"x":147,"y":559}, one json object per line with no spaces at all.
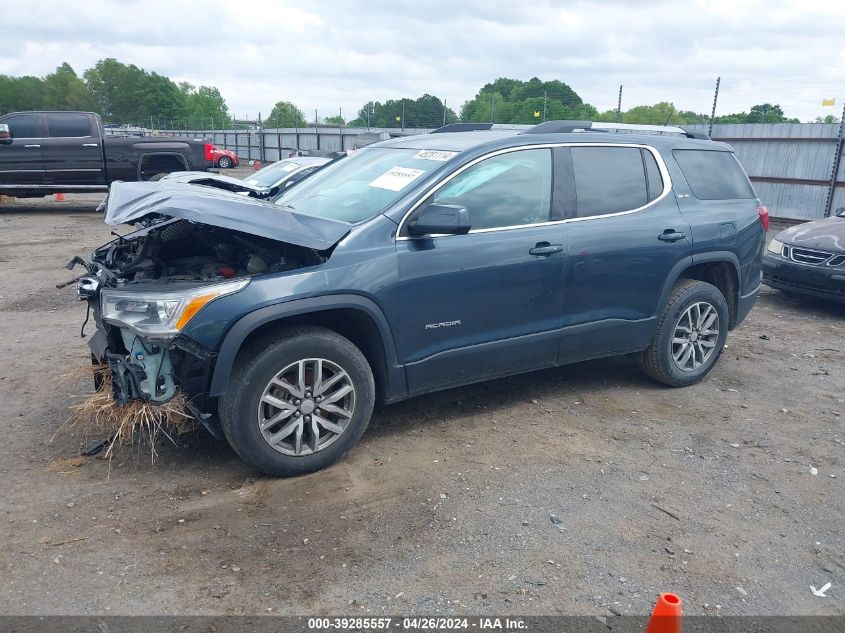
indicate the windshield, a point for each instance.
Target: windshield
{"x":363,"y":185}
{"x":271,"y":174}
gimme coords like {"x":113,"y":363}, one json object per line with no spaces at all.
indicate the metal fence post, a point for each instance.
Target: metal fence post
{"x":837,"y":160}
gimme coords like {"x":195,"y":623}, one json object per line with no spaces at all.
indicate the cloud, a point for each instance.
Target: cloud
{"x":341,"y":54}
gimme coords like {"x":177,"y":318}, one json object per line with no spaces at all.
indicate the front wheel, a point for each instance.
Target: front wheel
{"x":297,"y":401}
{"x":690,"y":335}
{"x":225,"y":162}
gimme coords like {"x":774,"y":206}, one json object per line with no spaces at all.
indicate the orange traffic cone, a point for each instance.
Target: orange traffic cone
{"x":60,"y":197}
{"x":666,"y":617}
{"x":257,"y":165}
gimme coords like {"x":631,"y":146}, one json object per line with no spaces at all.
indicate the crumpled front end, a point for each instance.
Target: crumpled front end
{"x":144,"y":288}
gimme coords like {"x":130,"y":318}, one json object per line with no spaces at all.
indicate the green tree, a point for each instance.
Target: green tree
{"x":204,"y":106}
{"x":760,"y":113}
{"x":827,"y":119}
{"x":64,"y":90}
{"x":128,"y":94}
{"x":334,"y":120}
{"x":663,"y":113}
{"x":424,"y":111}
{"x":526,"y":102}
{"x":285,"y":114}
{"x":21,"y":93}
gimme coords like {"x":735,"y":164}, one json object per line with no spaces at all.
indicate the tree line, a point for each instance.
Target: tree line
{"x":120,"y":93}
{"x":124,"y":93}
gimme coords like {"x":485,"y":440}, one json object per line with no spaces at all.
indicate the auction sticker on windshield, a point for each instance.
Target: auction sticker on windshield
{"x":397,"y":178}
{"x":433,"y":154}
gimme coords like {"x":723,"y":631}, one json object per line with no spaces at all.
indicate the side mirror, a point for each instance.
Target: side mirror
{"x":440,"y":219}
{"x":5,"y":134}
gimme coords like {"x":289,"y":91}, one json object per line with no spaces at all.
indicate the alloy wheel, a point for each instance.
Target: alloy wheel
{"x":306,"y":407}
{"x":695,"y":336}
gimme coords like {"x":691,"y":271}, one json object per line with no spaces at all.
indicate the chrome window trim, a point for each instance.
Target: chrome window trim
{"x":661,"y":165}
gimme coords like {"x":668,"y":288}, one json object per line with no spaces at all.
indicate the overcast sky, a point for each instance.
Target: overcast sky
{"x":328,"y":55}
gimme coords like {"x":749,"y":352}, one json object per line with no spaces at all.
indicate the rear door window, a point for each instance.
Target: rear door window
{"x":608,"y":180}
{"x":24,"y":126}
{"x":713,"y":175}
{"x":68,"y":125}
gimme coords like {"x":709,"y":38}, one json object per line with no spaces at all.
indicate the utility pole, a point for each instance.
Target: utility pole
{"x":260,"y":139}
{"x":713,"y":111}
{"x":545,"y":100}
{"x":403,"y":114}
{"x":492,"y":106}
{"x":444,"y":111}
{"x":619,"y":106}
{"x":837,"y":160}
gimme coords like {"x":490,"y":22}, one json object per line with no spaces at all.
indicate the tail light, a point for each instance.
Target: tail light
{"x":209,"y":148}
{"x":764,"y":216}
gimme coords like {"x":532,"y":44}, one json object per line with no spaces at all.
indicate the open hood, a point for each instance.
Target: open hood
{"x":219,"y":181}
{"x":132,"y":202}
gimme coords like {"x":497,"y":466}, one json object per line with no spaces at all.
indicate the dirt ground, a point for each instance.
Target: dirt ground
{"x":581,"y":490}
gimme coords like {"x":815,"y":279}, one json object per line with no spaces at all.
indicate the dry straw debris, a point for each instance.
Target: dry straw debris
{"x":100,"y":415}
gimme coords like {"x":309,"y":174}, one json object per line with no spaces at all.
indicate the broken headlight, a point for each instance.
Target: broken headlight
{"x":161,"y":314}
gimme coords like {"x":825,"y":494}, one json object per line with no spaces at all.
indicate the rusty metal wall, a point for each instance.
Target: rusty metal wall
{"x":790,"y":164}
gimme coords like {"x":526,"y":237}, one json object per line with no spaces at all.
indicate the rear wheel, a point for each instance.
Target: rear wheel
{"x":225,"y":162}
{"x":690,"y":334}
{"x":297,"y":401}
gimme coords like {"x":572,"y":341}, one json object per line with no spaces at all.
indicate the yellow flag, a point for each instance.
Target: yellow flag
{"x":536,"y":114}
{"x":828,"y":102}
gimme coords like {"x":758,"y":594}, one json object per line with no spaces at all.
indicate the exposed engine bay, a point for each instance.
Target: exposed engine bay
{"x":169,"y":257}
{"x":179,"y":250}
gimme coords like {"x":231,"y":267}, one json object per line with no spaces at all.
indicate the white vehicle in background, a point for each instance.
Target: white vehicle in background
{"x":264,"y":183}
{"x":282,"y":174}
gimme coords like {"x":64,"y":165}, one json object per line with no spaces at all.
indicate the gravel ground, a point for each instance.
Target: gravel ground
{"x":581,"y":490}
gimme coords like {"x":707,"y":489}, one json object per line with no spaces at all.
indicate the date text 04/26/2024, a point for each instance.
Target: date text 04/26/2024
{"x":415,"y":624}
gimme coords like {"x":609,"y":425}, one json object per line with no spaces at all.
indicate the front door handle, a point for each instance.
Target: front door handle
{"x":32,"y":146}
{"x":544,"y":249}
{"x":90,"y":145}
{"x":671,"y":235}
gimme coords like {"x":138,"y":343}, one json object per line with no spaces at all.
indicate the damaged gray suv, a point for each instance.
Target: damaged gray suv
{"x":419,"y":264}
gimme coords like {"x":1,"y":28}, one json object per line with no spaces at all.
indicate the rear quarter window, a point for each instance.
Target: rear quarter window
{"x":713,"y":175}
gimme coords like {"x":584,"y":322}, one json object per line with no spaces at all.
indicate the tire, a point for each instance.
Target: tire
{"x":258,"y":375}
{"x":156,"y":177}
{"x":224,"y":163}
{"x":667,"y":359}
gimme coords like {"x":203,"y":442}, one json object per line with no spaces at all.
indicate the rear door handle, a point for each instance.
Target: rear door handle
{"x":544,"y":249}
{"x":90,"y":145}
{"x":32,"y":146}
{"x":671,"y":235}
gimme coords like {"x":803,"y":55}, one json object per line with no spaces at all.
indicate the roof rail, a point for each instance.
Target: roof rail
{"x":558,"y":127}
{"x":462,"y":127}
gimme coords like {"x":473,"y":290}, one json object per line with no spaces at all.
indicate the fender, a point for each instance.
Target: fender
{"x":396,"y":386}
{"x":698,"y":258}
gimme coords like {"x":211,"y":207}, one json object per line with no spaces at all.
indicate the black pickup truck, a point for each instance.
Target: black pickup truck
{"x":50,"y":152}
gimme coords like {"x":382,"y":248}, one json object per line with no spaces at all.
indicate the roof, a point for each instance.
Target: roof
{"x":500,"y":138}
